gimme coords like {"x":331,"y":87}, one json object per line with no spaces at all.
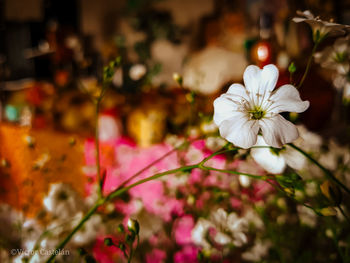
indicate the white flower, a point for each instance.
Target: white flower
{"x":258,"y":251}
{"x":88,"y":232}
{"x":214,"y":143}
{"x":307,"y":216}
{"x":210,"y":69}
{"x":62,"y":201}
{"x":137,"y":71}
{"x":275,"y":161}
{"x":110,"y":127}
{"x":243,"y":111}
{"x":324,"y":28}
{"x":336,"y":57}
{"x":228,"y":229}
{"x":200,"y":231}
{"x":171,"y":57}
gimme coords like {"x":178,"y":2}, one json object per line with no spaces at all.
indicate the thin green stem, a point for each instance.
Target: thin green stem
{"x":120,"y":191}
{"x":97,"y":148}
{"x":343,"y":213}
{"x":76,"y":229}
{"x":308,"y":64}
{"x":153,"y":163}
{"x":327,"y":172}
{"x":259,"y":177}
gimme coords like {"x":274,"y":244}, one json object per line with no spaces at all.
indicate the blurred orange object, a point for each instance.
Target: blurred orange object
{"x":33,"y":159}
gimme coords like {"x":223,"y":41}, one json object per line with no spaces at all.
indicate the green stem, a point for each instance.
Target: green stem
{"x":308,"y":64}
{"x":153,"y":163}
{"x":97,"y":148}
{"x":328,"y":173}
{"x":75,"y":229}
{"x":120,"y":191}
{"x":343,"y":213}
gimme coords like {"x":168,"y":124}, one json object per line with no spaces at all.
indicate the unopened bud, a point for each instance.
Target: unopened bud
{"x":108,"y":242}
{"x":292,"y":68}
{"x":120,"y":228}
{"x":178,"y":78}
{"x":133,"y":226}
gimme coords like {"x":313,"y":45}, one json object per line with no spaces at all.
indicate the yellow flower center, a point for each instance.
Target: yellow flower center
{"x":257,"y":113}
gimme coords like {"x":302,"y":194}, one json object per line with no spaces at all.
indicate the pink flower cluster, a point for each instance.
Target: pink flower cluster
{"x":166,"y":199}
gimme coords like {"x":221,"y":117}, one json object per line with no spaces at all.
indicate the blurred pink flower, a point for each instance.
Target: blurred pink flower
{"x":156,"y":256}
{"x":187,"y":254}
{"x":182,"y":229}
{"x":105,"y":254}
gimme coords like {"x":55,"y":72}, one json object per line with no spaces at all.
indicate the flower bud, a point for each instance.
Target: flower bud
{"x":178,"y":78}
{"x":108,"y":242}
{"x":292,"y":68}
{"x":133,"y":226}
{"x":120,"y":228}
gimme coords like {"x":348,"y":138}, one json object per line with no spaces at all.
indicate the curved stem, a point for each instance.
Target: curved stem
{"x":328,"y":173}
{"x":308,"y":64}
{"x":75,"y":229}
{"x":120,"y":191}
{"x":343,"y":213}
{"x":153,"y":163}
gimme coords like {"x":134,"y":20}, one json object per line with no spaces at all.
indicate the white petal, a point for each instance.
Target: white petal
{"x":298,"y":19}
{"x":277,"y":131}
{"x":239,"y":130}
{"x":268,"y":160}
{"x":287,"y":98}
{"x":251,"y":78}
{"x":294,"y":159}
{"x":224,"y":108}
{"x":238,"y":90}
{"x":269,"y":77}
{"x":260,"y":81}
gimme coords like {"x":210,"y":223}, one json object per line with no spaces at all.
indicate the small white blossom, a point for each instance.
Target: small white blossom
{"x":257,"y":252}
{"x":88,"y":232}
{"x":62,"y":201}
{"x":137,"y":71}
{"x":227,"y":229}
{"x":336,"y":57}
{"x":242,"y":111}
{"x":321,"y":27}
{"x":274,"y":160}
{"x":307,"y":216}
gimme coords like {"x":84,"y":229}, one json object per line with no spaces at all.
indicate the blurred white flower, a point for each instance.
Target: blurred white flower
{"x":137,"y":71}
{"x":109,"y":127}
{"x":31,"y":230}
{"x":257,"y":252}
{"x":226,"y":229}
{"x":324,"y":28}
{"x":275,"y":160}
{"x":210,"y":69}
{"x":243,"y":111}
{"x":171,"y":57}
{"x":336,"y":57}
{"x":308,"y":140}
{"x":88,"y":232}
{"x":62,"y":201}
{"x":118,"y":77}
{"x":200,"y":231}
{"x":307,"y":216}
{"x":215,"y":143}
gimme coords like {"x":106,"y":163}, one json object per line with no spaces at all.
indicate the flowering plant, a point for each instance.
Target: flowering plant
{"x":250,"y":187}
